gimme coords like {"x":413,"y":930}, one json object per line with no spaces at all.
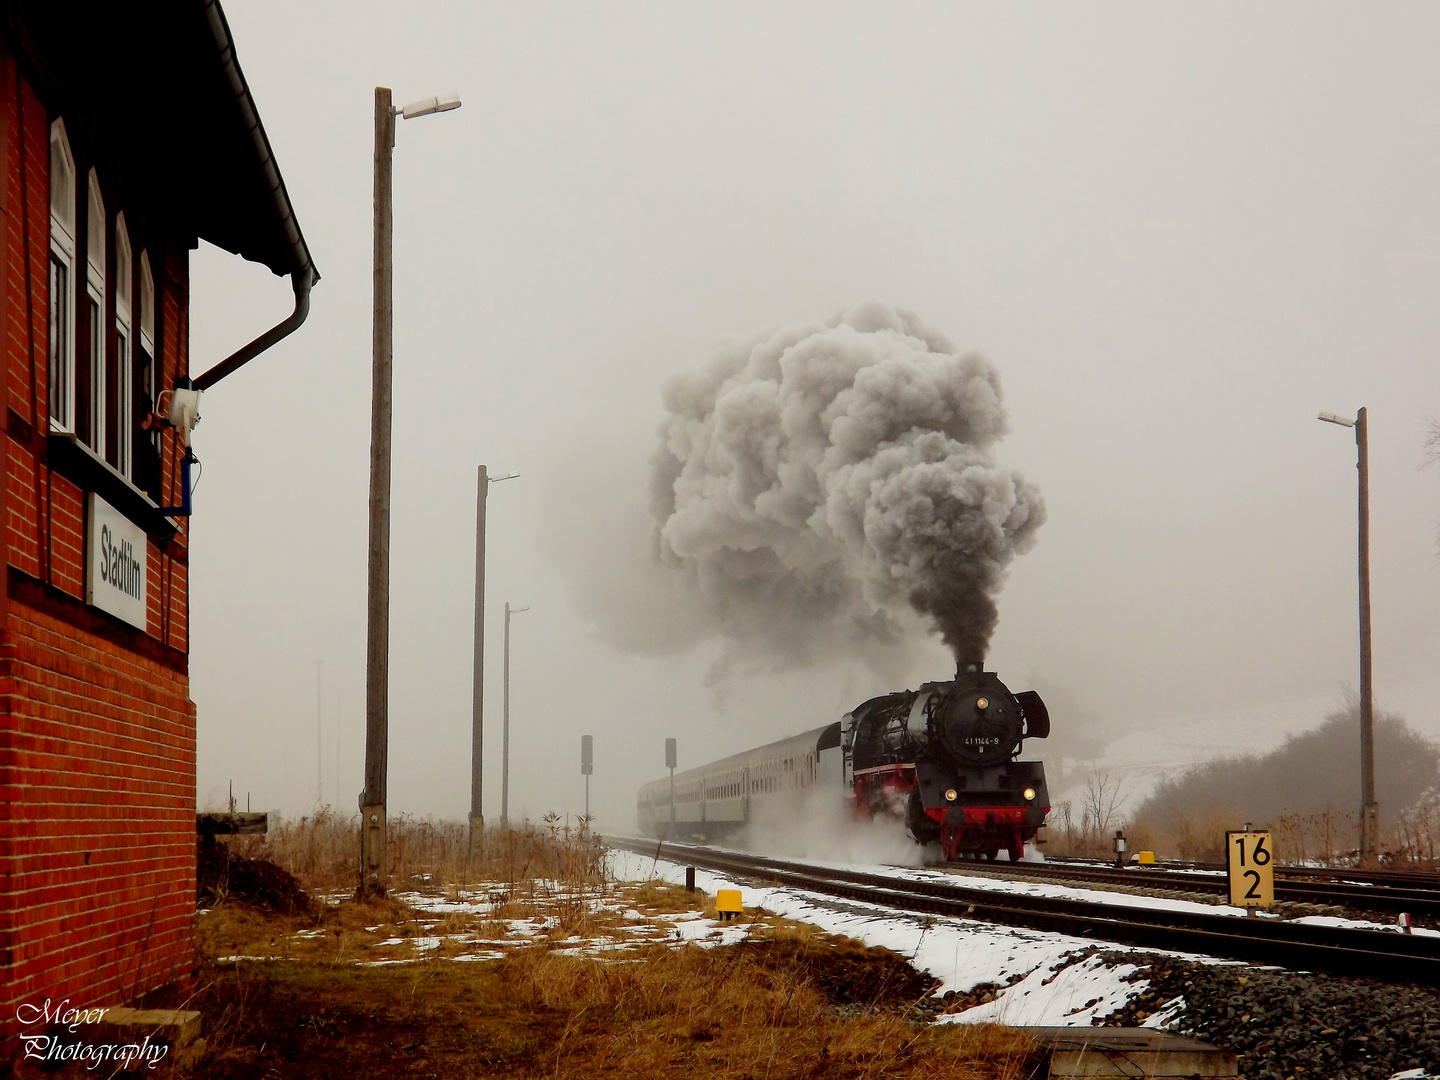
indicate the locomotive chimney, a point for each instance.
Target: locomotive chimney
{"x":968,"y":667}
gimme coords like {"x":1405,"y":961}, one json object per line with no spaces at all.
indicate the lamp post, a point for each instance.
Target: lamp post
{"x":1369,"y":808}
{"x":505,"y":727}
{"x":477,"y":689}
{"x":319,"y":743}
{"x":377,"y":637}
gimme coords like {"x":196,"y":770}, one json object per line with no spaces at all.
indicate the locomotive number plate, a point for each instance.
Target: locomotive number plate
{"x":1250,"y":860}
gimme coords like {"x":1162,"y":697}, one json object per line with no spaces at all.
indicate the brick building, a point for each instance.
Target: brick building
{"x":127,"y":134}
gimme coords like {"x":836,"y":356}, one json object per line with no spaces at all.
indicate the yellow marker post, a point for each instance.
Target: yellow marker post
{"x":1250,"y":860}
{"x":1147,"y":858}
{"x":727,"y":903}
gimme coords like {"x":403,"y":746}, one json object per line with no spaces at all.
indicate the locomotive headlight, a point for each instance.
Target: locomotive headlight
{"x":982,"y":703}
{"x":1029,"y":794}
{"x":950,"y":795}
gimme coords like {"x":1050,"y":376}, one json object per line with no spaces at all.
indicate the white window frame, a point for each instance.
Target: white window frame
{"x":147,"y":338}
{"x":124,"y":352}
{"x":95,"y":232}
{"x":61,"y":360}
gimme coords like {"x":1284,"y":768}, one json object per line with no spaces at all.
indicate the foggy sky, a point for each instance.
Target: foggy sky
{"x":1178,"y":233}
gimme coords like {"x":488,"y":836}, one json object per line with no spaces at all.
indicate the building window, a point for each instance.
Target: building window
{"x":148,"y":446}
{"x":124,"y":349}
{"x":95,"y":314}
{"x":62,"y":281}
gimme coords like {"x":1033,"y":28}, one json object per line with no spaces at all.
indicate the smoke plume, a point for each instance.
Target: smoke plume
{"x":832,"y":481}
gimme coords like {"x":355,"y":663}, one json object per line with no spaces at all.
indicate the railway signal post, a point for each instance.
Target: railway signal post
{"x":670,"y":760}
{"x":587,"y":766}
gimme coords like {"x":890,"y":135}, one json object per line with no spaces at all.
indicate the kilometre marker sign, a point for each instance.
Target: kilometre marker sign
{"x":1249,"y":857}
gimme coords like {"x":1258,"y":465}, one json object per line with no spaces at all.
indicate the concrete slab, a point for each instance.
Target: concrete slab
{"x":178,"y":1027}
{"x":1133,"y":1052}
{"x":176,"y":1031}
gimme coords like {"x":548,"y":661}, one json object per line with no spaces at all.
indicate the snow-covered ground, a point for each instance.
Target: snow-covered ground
{"x":1057,"y":979}
{"x":1050,"y":979}
{"x":974,"y":880}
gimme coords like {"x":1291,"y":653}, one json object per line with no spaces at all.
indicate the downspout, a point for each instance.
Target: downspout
{"x":303,"y":275}
{"x":302,"y":280}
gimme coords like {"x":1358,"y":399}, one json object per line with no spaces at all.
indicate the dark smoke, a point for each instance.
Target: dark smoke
{"x":828,"y":482}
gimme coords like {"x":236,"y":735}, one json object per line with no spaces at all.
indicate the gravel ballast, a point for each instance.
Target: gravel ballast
{"x":1292,"y":1024}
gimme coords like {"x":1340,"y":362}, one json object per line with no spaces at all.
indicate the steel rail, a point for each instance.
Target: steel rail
{"x":1360,"y":897}
{"x":1423,"y":880}
{"x":1338,"y":950}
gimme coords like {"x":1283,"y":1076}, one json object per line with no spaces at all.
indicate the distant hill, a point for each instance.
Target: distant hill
{"x":1309,"y":774}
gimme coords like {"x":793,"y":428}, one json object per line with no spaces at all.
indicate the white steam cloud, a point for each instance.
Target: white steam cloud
{"x":827,"y":483}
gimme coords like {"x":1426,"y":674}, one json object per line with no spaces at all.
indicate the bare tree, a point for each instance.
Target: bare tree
{"x":1101,"y":801}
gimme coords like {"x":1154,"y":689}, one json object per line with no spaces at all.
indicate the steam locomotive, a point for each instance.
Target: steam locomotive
{"x":942,"y":757}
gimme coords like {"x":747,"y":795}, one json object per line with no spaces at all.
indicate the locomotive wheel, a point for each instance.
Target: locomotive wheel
{"x":1016,"y":851}
{"x":990,"y":854}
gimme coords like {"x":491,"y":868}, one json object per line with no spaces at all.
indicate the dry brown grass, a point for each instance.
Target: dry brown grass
{"x":322,"y":850}
{"x":723,"y":1013}
{"x":1414,"y":842}
{"x":1328,"y":838}
{"x":787,"y":1002}
{"x":790,"y":1002}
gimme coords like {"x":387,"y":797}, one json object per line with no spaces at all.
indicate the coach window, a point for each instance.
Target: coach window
{"x":95,"y":313}
{"x":124,"y":394}
{"x":62,"y":281}
{"x":148,"y":445}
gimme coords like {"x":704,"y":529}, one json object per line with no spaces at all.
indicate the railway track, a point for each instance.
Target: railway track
{"x":1339,"y":950}
{"x":1291,"y":889}
{"x":1421,"y":880}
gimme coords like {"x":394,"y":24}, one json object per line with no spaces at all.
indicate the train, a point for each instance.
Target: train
{"x":943,"y":758}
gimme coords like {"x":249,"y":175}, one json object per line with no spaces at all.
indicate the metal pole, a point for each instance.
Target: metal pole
{"x":505,"y":733}
{"x":477,"y":690}
{"x":1369,"y":808}
{"x":671,"y":760}
{"x":377,"y":643}
{"x":319,"y":742}
{"x":587,"y":798}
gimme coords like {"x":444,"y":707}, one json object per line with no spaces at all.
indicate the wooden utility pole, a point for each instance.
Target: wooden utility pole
{"x":477,"y":684}
{"x":377,"y":640}
{"x":505,"y":726}
{"x":1369,"y":808}
{"x":319,"y":740}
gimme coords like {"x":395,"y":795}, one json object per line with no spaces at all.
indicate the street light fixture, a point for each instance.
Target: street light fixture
{"x":1369,"y":808}
{"x":426,"y":106}
{"x":377,"y":642}
{"x":505,"y":728}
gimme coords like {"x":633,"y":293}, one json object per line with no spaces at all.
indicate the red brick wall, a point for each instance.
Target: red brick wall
{"x":99,"y":844}
{"x":97,"y":730}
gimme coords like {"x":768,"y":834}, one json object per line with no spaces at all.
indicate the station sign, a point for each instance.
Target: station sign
{"x":115,"y":563}
{"x":1250,"y":861}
